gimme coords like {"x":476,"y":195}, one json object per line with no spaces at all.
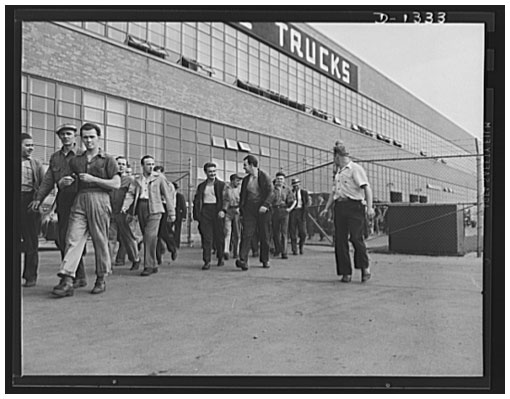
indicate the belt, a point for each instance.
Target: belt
{"x":233,"y":207}
{"x":92,"y":190}
{"x":143,"y":199}
{"x":281,"y":206}
{"x":347,"y":199}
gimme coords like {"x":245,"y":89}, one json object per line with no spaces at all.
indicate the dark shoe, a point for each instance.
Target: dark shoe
{"x":300,"y":251}
{"x":346,"y":278}
{"x":146,"y":272}
{"x":206,"y":266}
{"x":99,"y":287}
{"x":294,"y":252}
{"x":154,"y":270}
{"x":174,"y":255}
{"x":365,"y":276}
{"x":220,"y":262}
{"x":119,"y":263}
{"x":265,"y":265}
{"x":29,"y":283}
{"x":136,"y":265}
{"x":64,"y":288}
{"x":284,"y":256}
{"x":80,"y":282}
{"x":242,"y":265}
{"x":277,"y":254}
{"x":226,"y":256}
{"x":234,"y":256}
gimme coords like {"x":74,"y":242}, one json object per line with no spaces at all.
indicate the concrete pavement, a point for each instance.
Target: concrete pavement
{"x":417,"y":316}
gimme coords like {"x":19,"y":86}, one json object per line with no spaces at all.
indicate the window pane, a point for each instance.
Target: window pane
{"x":136,"y":124}
{"x":93,"y":100}
{"x":155,"y":128}
{"x":42,"y":104}
{"x":69,"y":94}
{"x":71,"y":110}
{"x":115,"y":105}
{"x":136,"y":138}
{"x":172,"y":119}
{"x":115,"y":148}
{"x":154,"y":114}
{"x":116,"y":134}
{"x":42,"y":88}
{"x":93,"y":115}
{"x":136,"y":110}
{"x":188,"y":123}
{"x":115,"y":119}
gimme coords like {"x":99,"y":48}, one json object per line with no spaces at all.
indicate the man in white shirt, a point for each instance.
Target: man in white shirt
{"x":350,"y":188}
{"x":208,"y":211}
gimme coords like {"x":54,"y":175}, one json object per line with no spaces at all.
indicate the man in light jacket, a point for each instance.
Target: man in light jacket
{"x":147,"y":197}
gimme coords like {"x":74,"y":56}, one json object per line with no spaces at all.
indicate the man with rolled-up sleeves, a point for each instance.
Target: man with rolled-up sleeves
{"x":96,"y":173}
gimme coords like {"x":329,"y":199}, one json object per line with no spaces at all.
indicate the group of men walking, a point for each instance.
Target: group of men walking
{"x":97,"y":197}
{"x":235,"y":215}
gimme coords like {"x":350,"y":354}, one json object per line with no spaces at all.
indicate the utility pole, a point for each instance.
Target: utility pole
{"x":190,"y":203}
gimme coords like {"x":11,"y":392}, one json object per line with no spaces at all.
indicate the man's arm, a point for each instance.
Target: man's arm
{"x":130,"y":197}
{"x":369,"y":199}
{"x":168,"y":190}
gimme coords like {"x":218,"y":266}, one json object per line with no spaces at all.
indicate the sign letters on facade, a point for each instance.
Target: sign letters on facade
{"x":304,"y":48}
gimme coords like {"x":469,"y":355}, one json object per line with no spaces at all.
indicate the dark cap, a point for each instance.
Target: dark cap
{"x":235,"y":176}
{"x":66,"y":126}
{"x":296,"y":181}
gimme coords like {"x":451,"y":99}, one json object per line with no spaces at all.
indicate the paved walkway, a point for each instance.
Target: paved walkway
{"x":417,"y":316}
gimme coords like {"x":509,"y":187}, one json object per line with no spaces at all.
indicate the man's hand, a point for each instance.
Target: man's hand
{"x":34,"y":206}
{"x":221,"y":214}
{"x":171,"y":218}
{"x":323,"y":213}
{"x":370,"y":212}
{"x":86,"y":178}
{"x":123,"y":210}
{"x":65,"y":181}
{"x":263,"y":209}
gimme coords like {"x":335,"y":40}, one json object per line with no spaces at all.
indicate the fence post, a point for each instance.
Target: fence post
{"x":478,"y":200}
{"x":190,"y":203}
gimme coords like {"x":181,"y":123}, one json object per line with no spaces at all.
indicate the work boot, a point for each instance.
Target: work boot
{"x":80,"y":282}
{"x":99,"y":286}
{"x":136,"y":265}
{"x":64,"y":288}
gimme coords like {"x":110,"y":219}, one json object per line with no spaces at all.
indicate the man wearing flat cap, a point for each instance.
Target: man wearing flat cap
{"x":232,"y":221}
{"x":297,"y":221}
{"x":58,"y":174}
{"x":350,"y":188}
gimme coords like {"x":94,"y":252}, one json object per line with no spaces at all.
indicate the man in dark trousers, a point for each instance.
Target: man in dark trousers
{"x":32,"y":174}
{"x":58,"y":173}
{"x":207,"y":210}
{"x":350,"y":188}
{"x":180,"y":214}
{"x":255,"y":207}
{"x":298,"y":216}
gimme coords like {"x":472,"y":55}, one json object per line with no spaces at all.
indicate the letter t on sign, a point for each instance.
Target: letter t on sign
{"x":282,"y":27}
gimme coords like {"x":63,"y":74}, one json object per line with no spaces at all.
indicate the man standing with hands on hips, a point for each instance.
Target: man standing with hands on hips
{"x":96,"y":173}
{"x":350,"y":187}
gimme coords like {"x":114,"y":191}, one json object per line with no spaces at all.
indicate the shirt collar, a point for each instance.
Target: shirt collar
{"x":348,"y":166}
{"x":73,"y":150}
